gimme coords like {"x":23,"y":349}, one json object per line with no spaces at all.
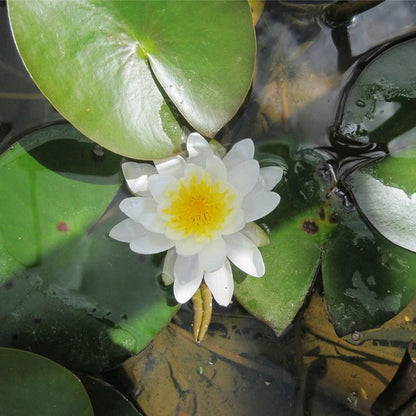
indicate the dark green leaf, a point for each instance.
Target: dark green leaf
{"x":118,"y":69}
{"x":33,"y":385}
{"x":367,"y":279}
{"x":381,"y":103}
{"x":68,"y":290}
{"x":106,"y":400}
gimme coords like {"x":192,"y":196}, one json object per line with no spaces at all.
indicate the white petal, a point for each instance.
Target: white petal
{"x":216,"y":169}
{"x":236,"y":223}
{"x":221,"y":284}
{"x":168,"y":266}
{"x":240,"y":152}
{"x":189,"y":246}
{"x":137,"y":175}
{"x":188,"y":276}
{"x":127,"y":231}
{"x":258,"y":204}
{"x":151,"y":243}
{"x":159,"y":186}
{"x":244,"y":176}
{"x":244,"y":254}
{"x":212,"y":256}
{"x":173,"y":166}
{"x":198,"y":149}
{"x":270,"y":176}
{"x":171,"y":233}
{"x":152,"y":222}
{"x":134,"y":207}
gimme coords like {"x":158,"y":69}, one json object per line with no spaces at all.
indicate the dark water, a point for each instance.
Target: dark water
{"x":303,"y":67}
{"x":22,"y":105}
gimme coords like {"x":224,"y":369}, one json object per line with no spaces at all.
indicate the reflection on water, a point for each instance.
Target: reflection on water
{"x":243,"y":368}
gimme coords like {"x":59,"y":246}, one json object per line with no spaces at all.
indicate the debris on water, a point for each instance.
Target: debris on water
{"x":356,"y":336}
{"x":352,"y":399}
{"x":98,"y":151}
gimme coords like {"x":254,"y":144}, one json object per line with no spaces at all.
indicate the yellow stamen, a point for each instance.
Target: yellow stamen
{"x":199,"y":207}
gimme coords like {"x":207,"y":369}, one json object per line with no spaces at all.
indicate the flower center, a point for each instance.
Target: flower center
{"x":199,"y":207}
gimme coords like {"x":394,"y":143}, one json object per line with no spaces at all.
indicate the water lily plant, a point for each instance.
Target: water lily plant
{"x":201,"y":209}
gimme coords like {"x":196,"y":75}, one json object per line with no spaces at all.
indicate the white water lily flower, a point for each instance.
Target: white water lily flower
{"x":201,"y":209}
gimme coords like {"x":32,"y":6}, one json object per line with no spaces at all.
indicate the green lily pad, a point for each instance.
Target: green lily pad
{"x":385,"y":193}
{"x":53,"y":188}
{"x":381,"y":103}
{"x":33,"y":385}
{"x":120,"y":71}
{"x":293,"y":256}
{"x":367,"y":280}
{"x":277,"y":297}
{"x":67,"y":290}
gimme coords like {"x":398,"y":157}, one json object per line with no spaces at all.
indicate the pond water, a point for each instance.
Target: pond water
{"x":305,"y":64}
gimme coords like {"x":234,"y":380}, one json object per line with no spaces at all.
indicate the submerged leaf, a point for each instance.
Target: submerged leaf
{"x":353,"y":370}
{"x":401,"y":388}
{"x":227,"y":374}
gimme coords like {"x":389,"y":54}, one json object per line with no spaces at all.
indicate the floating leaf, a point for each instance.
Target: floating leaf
{"x":68,"y":290}
{"x":33,"y":385}
{"x":386,"y":194}
{"x":381,"y":103}
{"x":277,"y":296}
{"x":53,"y":188}
{"x":292,"y":258}
{"x":116,"y":70}
{"x":367,"y":279}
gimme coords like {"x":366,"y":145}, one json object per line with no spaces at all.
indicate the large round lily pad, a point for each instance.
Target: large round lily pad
{"x":121,"y":71}
{"x":33,"y":385}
